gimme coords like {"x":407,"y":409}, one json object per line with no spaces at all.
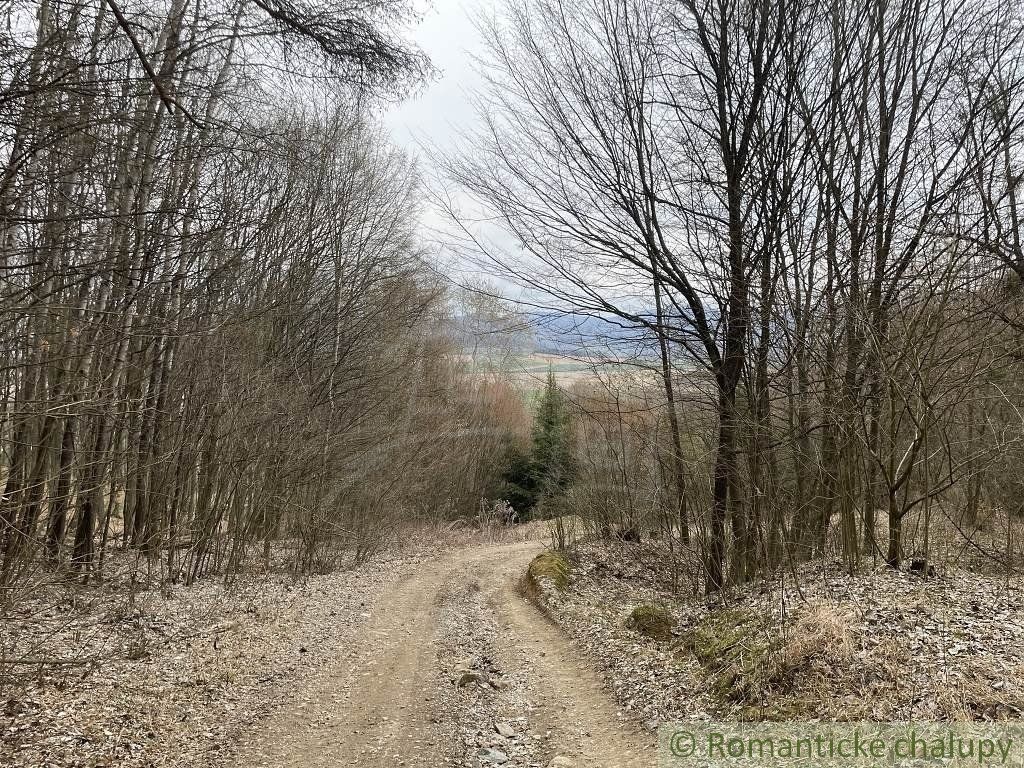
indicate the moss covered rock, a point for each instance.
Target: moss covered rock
{"x":549,"y":565}
{"x":650,"y":620}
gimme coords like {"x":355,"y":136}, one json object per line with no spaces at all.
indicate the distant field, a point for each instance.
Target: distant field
{"x":531,"y":369}
{"x":565,"y":368}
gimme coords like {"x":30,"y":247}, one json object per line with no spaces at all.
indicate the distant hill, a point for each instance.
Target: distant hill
{"x":547,"y":331}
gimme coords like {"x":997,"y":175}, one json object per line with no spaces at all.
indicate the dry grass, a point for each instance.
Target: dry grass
{"x":820,"y":637}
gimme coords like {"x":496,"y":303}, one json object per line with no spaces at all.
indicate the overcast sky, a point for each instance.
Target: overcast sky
{"x":434,"y":117}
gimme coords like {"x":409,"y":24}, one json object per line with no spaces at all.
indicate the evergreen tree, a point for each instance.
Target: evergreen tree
{"x":518,"y":486}
{"x":552,"y":465}
{"x":540,"y":477}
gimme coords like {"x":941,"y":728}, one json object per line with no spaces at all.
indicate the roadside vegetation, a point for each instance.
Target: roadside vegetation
{"x":800,"y":224}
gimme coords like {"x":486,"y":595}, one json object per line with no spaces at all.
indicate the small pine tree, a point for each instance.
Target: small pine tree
{"x":551,"y":459}
{"x":534,"y":483}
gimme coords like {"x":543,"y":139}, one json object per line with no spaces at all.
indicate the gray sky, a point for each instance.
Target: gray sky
{"x":434,"y":117}
{"x":437,"y":116}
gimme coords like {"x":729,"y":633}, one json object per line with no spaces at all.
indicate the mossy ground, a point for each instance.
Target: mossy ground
{"x":549,"y":565}
{"x":651,"y":620}
{"x":739,"y":654}
{"x":770,"y":670}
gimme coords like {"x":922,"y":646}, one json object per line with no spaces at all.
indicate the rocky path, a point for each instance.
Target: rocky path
{"x":394,"y":698}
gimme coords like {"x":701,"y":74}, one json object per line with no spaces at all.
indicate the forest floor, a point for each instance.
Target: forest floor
{"x":432,"y":657}
{"x":812,"y":643}
{"x":411,"y":660}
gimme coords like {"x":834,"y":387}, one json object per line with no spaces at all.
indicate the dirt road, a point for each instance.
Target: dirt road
{"x":393,"y":699}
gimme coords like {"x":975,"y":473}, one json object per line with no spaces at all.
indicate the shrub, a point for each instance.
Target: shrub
{"x":735,"y":649}
{"x":750,"y":660}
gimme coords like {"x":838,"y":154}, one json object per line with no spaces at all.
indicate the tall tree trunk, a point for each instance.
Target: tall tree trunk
{"x":678,"y":467}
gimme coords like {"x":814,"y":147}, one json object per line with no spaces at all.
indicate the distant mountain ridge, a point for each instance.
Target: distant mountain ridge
{"x":551,"y":332}
{"x":569,"y":332}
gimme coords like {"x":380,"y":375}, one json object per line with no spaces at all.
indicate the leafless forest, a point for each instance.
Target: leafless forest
{"x":219,"y":327}
{"x":782,"y":244}
{"x":811,"y":211}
